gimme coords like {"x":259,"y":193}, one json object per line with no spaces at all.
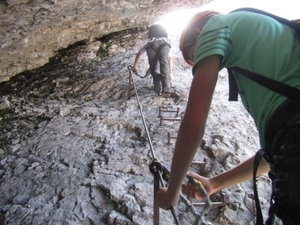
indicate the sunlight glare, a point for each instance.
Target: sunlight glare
{"x":176,"y":21}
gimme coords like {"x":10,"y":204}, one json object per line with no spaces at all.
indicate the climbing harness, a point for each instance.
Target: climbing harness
{"x":161,"y":174}
{"x":159,"y":48}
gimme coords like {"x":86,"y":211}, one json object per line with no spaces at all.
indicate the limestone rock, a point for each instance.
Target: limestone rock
{"x":31,"y":32}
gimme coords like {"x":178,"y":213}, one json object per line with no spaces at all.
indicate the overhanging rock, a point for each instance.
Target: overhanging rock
{"x":31,"y":32}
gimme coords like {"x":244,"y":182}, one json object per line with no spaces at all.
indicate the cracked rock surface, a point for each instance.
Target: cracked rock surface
{"x":74,"y":150}
{"x":32,"y":31}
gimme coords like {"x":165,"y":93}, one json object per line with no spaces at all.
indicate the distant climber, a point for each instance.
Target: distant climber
{"x":160,"y":61}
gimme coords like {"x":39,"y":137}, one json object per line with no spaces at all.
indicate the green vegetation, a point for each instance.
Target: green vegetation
{"x":4,"y":113}
{"x":103,"y":50}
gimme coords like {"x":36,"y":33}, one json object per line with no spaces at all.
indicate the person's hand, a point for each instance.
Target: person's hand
{"x":192,"y":191}
{"x":134,"y":69}
{"x":163,"y":202}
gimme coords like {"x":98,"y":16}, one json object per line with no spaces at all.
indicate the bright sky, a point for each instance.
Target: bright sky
{"x":175,"y":22}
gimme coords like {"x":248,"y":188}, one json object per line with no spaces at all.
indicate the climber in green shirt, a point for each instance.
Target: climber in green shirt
{"x":256,"y":43}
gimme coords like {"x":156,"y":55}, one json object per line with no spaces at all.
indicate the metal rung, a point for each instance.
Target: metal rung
{"x":223,"y":203}
{"x":169,"y":119}
{"x":201,"y":164}
{"x":170,"y":137}
{"x":160,"y":110}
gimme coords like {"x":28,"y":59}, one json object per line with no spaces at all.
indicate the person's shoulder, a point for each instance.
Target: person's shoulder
{"x":247,"y":16}
{"x":215,"y":22}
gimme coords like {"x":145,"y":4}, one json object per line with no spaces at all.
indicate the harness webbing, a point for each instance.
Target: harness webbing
{"x":258,"y":157}
{"x":276,"y":86}
{"x":157,"y":49}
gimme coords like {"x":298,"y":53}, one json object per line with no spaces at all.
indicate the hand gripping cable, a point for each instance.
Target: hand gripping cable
{"x":165,"y":174}
{"x":161,"y":174}
{"x":136,"y":73}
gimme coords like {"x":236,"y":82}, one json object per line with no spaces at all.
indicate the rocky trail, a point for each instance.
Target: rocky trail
{"x":74,"y":150}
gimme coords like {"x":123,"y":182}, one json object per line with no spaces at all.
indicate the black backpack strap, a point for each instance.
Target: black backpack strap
{"x":258,"y":156}
{"x":293,"y":25}
{"x":157,"y":49}
{"x":163,"y":45}
{"x":276,"y":86}
{"x":233,"y":89}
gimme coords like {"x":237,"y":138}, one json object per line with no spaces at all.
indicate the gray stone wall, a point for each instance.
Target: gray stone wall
{"x":32,"y":31}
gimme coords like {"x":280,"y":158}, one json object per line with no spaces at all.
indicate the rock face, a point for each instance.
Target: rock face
{"x":31,"y":32}
{"x":74,"y":150}
{"x":73,"y":147}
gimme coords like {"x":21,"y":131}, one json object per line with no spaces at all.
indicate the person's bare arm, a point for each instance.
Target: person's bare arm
{"x":238,"y":174}
{"x":192,"y":127}
{"x":137,"y":57}
{"x":190,"y":134}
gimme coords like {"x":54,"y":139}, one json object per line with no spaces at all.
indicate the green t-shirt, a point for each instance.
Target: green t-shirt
{"x":259,"y":44}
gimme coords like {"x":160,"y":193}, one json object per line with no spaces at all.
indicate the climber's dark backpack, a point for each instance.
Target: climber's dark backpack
{"x":287,"y":114}
{"x":157,"y":31}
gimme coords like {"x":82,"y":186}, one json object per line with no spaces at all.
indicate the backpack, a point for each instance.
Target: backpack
{"x":157,"y":31}
{"x":283,"y":116}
